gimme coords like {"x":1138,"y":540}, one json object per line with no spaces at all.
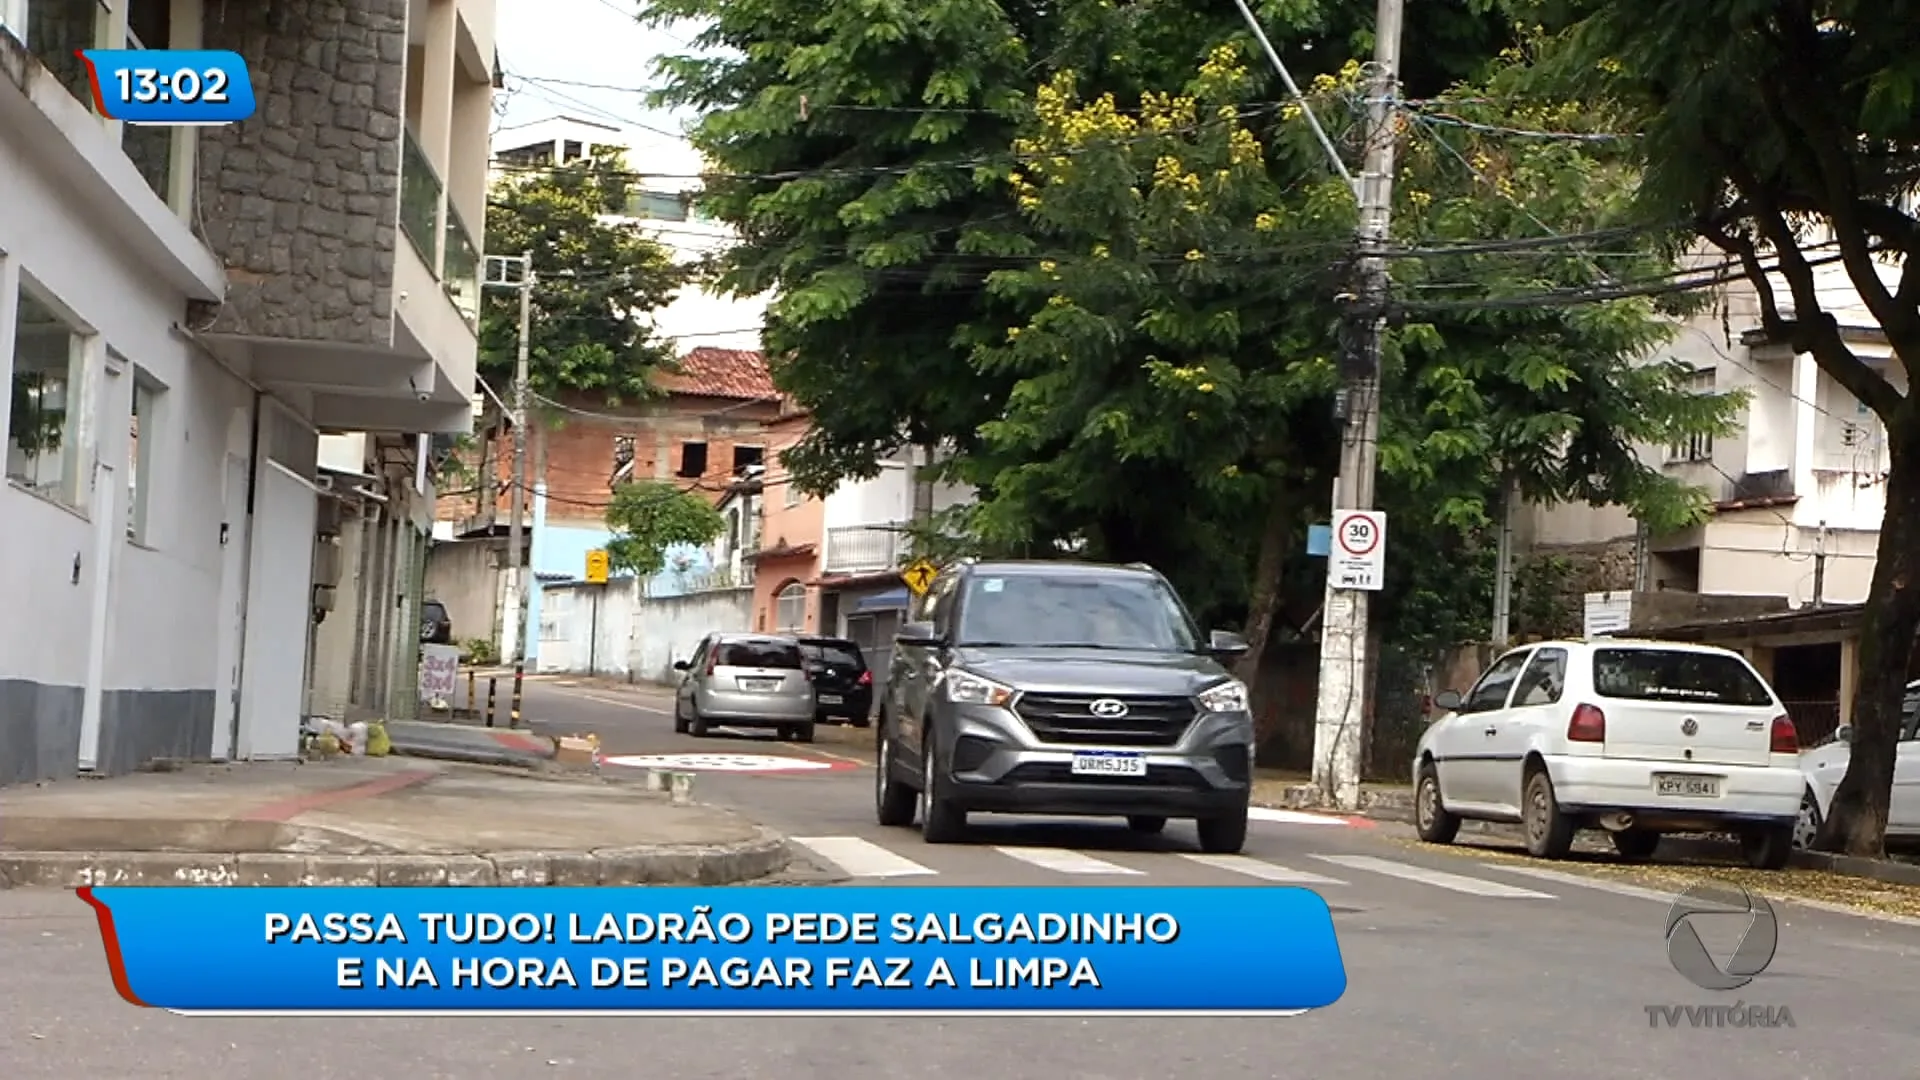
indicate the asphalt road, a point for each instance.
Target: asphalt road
{"x":1460,"y":964}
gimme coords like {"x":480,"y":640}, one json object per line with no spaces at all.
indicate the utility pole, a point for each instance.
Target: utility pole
{"x":1503,"y":568}
{"x":1346,"y":671}
{"x":513,"y":623}
{"x":1820,"y":567}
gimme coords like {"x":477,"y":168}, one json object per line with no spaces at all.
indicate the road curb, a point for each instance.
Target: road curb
{"x":469,"y":756}
{"x":766,"y":854}
{"x":1394,"y":804}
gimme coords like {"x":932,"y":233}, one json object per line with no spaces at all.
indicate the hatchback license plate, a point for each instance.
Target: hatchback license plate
{"x":1707,"y":787}
{"x":759,"y":684}
{"x":831,"y":699}
{"x":1109,"y":763}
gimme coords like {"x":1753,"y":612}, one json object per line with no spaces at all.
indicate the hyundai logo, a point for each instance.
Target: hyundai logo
{"x":1689,"y":726}
{"x":1108,"y":708}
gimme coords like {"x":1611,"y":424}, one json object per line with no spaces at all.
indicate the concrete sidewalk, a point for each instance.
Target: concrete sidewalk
{"x":371,"y":821}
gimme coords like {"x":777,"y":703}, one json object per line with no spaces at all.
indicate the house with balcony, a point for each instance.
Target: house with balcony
{"x":184,"y":313}
{"x":1798,"y":495}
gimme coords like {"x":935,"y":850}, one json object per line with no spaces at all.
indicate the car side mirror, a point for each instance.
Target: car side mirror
{"x":1843,"y":733}
{"x":1226,"y":643}
{"x":1448,"y":700}
{"x":920,"y":635}
{"x":681,"y":665}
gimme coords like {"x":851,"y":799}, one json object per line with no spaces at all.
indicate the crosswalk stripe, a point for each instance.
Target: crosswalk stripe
{"x":1240,"y":864}
{"x":1062,"y":861}
{"x":861,"y":858}
{"x":1584,"y":882}
{"x":1291,"y":817}
{"x":1436,"y":878}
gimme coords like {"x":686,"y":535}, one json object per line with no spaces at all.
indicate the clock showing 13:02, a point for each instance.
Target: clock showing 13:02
{"x":171,"y":87}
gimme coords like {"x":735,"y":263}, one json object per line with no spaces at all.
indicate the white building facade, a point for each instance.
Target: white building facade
{"x":183,"y":312}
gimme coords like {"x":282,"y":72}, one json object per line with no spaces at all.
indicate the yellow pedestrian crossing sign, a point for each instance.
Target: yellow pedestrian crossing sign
{"x":919,"y":577}
{"x":597,"y":566}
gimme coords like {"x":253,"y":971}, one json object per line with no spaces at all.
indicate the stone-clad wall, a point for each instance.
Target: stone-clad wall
{"x":302,"y":200}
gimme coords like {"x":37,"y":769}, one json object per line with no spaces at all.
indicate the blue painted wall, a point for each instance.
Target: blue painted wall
{"x":561,"y":551}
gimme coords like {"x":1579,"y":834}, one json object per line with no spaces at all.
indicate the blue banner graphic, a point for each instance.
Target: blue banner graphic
{"x":764,"y":951}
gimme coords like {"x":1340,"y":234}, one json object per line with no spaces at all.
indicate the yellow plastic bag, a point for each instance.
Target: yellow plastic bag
{"x":378,"y":745}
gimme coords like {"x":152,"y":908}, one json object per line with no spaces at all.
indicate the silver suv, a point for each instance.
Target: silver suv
{"x":1064,"y":689}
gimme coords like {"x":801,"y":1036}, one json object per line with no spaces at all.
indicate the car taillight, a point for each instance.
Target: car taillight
{"x":713,"y":661}
{"x":866,"y":678}
{"x":1589,"y":724}
{"x":1785,"y":739}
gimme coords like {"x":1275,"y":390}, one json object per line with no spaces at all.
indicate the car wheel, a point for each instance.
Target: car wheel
{"x":1146,"y":823}
{"x":679,"y":718}
{"x":1636,"y":845}
{"x":861,"y":721}
{"x":893,"y":804}
{"x":1769,"y":848}
{"x":1224,"y":835}
{"x":1430,"y":817}
{"x":940,"y":821}
{"x":803,"y":733}
{"x":696,"y":724}
{"x":1806,"y":828}
{"x":1549,"y":832}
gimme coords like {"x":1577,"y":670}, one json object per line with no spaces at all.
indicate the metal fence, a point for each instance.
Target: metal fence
{"x":1814,"y":722}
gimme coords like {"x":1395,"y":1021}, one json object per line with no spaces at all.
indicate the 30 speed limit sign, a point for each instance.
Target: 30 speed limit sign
{"x":1359,"y":554}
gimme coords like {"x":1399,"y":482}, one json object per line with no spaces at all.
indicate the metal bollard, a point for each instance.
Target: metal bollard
{"x":658,"y":779}
{"x":473,"y":700}
{"x":682,"y":788}
{"x":519,"y":673}
{"x":493,"y":693}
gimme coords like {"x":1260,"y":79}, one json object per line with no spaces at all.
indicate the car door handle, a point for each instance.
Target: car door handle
{"x":1491,"y":730}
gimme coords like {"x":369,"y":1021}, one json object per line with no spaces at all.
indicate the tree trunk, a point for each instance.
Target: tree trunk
{"x":1265,"y":599}
{"x":1857,"y":821}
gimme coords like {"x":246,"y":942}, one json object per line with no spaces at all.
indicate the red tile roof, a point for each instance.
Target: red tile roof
{"x":740,"y":374}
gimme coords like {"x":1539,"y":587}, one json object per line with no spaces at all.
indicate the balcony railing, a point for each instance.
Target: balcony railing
{"x":461,"y":274}
{"x":421,"y":202}
{"x":865,"y":548}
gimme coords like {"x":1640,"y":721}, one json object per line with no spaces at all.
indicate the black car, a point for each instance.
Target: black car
{"x":842,"y":685}
{"x":436,"y":626}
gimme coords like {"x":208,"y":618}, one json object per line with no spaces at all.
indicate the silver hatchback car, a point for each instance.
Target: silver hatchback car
{"x":745,"y":681}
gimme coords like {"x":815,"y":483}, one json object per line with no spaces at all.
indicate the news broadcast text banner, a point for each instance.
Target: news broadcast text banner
{"x":660,"y":951}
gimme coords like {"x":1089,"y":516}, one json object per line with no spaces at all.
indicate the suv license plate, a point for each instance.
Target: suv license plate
{"x":1680,"y":784}
{"x":1109,"y":763}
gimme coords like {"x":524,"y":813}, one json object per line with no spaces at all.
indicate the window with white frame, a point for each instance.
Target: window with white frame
{"x":55,"y":32}
{"x":149,"y":147}
{"x":790,"y":609}
{"x":793,"y":493}
{"x":1695,"y":448}
{"x":141,"y":439}
{"x":44,"y":451}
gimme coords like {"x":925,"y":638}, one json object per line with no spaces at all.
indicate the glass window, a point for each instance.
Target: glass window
{"x":1490,"y":692}
{"x":1088,"y":611}
{"x":56,"y":29}
{"x":839,"y":653}
{"x":1677,"y":675}
{"x":145,"y":411}
{"x":790,"y":608}
{"x":49,"y":364}
{"x":657,"y":205}
{"x":1544,"y":679}
{"x":784,"y":655}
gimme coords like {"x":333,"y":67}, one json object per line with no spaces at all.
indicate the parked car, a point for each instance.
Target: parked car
{"x":1063,"y":688}
{"x":436,"y":626}
{"x":1639,"y":738}
{"x":842,"y":685}
{"x":745,"y":681}
{"x":1824,"y":765}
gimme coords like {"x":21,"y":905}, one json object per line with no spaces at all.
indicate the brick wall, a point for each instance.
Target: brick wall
{"x":302,"y":199}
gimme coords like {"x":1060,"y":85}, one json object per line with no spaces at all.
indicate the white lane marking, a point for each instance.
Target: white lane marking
{"x":1061,"y":861}
{"x":719,"y":762}
{"x":637,"y":707}
{"x":1438,"y":879}
{"x":1585,"y":882}
{"x":861,"y":858}
{"x":1291,"y":817}
{"x":1240,"y":864}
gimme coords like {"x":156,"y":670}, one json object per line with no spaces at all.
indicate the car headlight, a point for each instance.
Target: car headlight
{"x":966,"y":688}
{"x":1229,"y":696}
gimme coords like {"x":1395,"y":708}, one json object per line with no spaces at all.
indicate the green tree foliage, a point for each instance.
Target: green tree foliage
{"x":595,"y":282}
{"x":1785,"y":136}
{"x":651,"y":516}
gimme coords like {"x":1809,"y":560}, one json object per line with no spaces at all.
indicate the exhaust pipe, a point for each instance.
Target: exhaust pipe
{"x":1617,"y":822}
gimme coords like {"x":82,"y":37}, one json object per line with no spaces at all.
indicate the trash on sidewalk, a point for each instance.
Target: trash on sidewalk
{"x":577,"y":750}
{"x":324,"y":737}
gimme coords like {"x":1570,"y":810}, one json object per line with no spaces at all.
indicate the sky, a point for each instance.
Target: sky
{"x":549,"y":47}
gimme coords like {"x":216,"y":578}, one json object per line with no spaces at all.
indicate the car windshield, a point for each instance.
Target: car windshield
{"x":1677,"y":675}
{"x":1104,"y":612}
{"x":760,"y":654}
{"x":835,"y":653}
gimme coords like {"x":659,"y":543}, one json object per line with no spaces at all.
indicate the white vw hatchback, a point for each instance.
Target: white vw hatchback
{"x":1638,"y":738}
